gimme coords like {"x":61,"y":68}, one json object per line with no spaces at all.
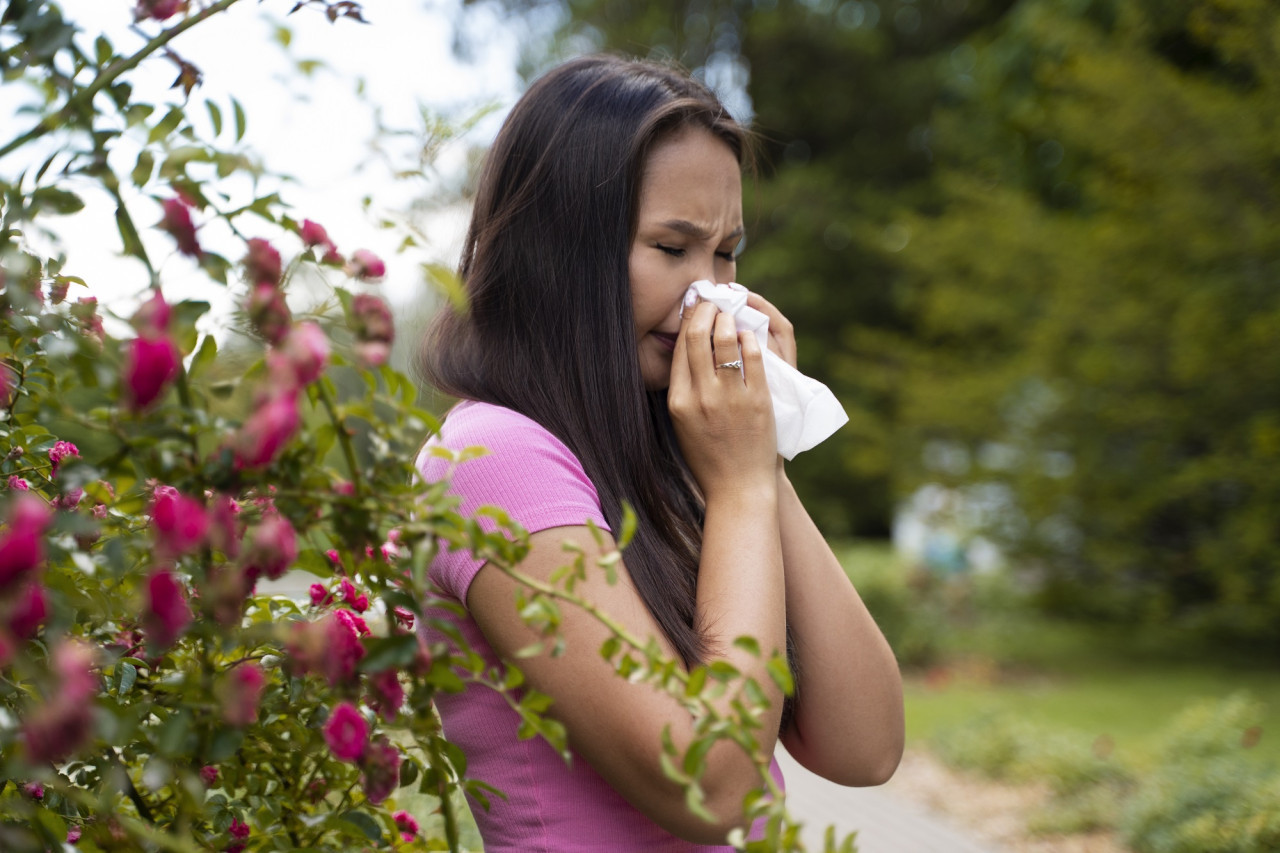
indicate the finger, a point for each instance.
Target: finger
{"x":695,"y":334}
{"x":725,"y":343}
{"x":782,"y":338}
{"x":753,"y":361}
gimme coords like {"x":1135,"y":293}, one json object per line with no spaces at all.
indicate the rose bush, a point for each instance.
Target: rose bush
{"x":152,"y":696}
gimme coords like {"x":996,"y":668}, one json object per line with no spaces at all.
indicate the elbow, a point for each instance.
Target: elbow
{"x":725,"y":796}
{"x":871,"y":770}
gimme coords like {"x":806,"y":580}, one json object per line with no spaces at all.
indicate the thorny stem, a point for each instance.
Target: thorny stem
{"x":110,"y":74}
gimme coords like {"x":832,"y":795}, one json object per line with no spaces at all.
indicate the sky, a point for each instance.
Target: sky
{"x":318,"y":128}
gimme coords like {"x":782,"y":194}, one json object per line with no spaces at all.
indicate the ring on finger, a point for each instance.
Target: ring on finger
{"x":730,"y":365}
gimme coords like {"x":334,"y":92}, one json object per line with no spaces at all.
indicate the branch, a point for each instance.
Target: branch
{"x":110,"y":74}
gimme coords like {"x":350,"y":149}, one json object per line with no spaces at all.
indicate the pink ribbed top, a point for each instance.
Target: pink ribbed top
{"x":550,"y":807}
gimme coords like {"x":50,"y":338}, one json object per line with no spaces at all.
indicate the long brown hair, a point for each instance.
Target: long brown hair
{"x":548,"y":330}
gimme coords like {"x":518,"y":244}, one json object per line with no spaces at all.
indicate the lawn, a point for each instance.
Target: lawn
{"x":1101,"y":681}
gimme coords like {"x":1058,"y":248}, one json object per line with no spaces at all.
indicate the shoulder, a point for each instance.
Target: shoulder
{"x":523,"y":469}
{"x":508,"y":444}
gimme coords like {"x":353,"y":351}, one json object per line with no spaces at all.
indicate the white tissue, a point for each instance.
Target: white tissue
{"x":805,"y":412}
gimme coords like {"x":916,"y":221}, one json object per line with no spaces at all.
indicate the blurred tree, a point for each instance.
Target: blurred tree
{"x":1096,"y":304}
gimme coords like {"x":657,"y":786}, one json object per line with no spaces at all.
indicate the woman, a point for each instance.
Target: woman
{"x":611,"y":187}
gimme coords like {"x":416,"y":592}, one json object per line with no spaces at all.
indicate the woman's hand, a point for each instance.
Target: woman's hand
{"x":782,"y":335}
{"x":723,"y":417}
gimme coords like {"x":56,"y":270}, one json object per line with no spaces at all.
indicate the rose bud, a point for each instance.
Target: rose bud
{"x":372,"y":320}
{"x":366,"y":265}
{"x":224,"y":534}
{"x":273,"y":546}
{"x":209,"y":775}
{"x":167,"y":614}
{"x":180,"y":522}
{"x":353,"y":623}
{"x":372,"y":354}
{"x":58,"y":290}
{"x":267,"y":431}
{"x":307,"y":349}
{"x":176,"y":221}
{"x":22,"y":541}
{"x":34,"y":790}
{"x":319,"y":595}
{"x":18,"y":484}
{"x":313,"y":234}
{"x":8,"y":386}
{"x":346,"y":733}
{"x":158,"y":10}
{"x":241,"y":692}
{"x":381,"y":766}
{"x":268,"y":312}
{"x":29,"y":612}
{"x":152,"y":316}
{"x":262,"y":264}
{"x":73,"y":835}
{"x":403,"y":616}
{"x":150,"y":364}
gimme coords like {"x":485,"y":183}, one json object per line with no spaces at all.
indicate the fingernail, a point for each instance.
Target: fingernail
{"x":690,"y":300}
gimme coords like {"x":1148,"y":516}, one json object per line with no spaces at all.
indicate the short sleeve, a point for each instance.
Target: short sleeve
{"x":528,"y":472}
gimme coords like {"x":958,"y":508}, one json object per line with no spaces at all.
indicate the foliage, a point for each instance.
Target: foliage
{"x":1203,"y":792}
{"x":152,"y":696}
{"x":1093,"y":304}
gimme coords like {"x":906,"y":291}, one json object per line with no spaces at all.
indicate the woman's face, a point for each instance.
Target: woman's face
{"x":687,"y":227}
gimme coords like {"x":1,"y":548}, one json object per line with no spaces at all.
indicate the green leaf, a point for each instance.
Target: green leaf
{"x":142,"y":169}
{"x":389,"y":652}
{"x":204,"y":357}
{"x":240,"y":121}
{"x":126,"y":676}
{"x":226,"y":743}
{"x":364,"y":823}
{"x":128,"y":234}
{"x":750,"y":645}
{"x":56,"y":200}
{"x":166,"y":125}
{"x":215,"y":117}
{"x":780,"y":672}
{"x":136,"y":114}
{"x":697,"y":680}
{"x":628,"y":525}
{"x":102,"y":50}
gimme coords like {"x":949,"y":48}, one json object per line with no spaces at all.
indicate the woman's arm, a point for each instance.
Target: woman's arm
{"x":848,"y":719}
{"x":725,"y":423}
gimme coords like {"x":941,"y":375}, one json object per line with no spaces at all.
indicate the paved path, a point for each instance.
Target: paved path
{"x":885,"y":822}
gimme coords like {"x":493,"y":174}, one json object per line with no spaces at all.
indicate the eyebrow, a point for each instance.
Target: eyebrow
{"x":684,"y":226}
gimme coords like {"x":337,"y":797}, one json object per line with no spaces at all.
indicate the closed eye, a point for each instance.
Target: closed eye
{"x":671,"y":250}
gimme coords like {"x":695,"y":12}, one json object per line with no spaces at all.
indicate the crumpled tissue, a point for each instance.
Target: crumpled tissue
{"x":805,"y":412}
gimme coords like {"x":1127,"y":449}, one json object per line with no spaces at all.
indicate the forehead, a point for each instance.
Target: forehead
{"x":692,"y":173}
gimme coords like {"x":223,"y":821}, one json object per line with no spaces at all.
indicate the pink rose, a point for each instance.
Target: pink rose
{"x":73,"y":835}
{"x":22,"y":542}
{"x":313,"y":234}
{"x":167,"y":614}
{"x":34,"y":790}
{"x":371,"y":319}
{"x":268,"y":312}
{"x":61,"y":450}
{"x":239,"y":831}
{"x":319,"y":595}
{"x":150,"y":364}
{"x":8,"y":385}
{"x":224,"y":534}
{"x":352,"y":623}
{"x":241,"y":693}
{"x":406,"y":824}
{"x":267,"y":431}
{"x":273,"y":546}
{"x":386,"y":695}
{"x":366,"y":265}
{"x":209,"y":775}
{"x":328,"y":647}
{"x":29,"y":612}
{"x":346,"y":732}
{"x":60,"y":726}
{"x":262,"y":264}
{"x":381,"y":766}
{"x":18,"y":484}
{"x":176,"y":220}
{"x":372,"y":354}
{"x":306,"y":350}
{"x":180,"y":522}
{"x":404,"y":616}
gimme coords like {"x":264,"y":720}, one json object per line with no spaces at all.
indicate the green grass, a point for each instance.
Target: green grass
{"x":991,"y":657}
